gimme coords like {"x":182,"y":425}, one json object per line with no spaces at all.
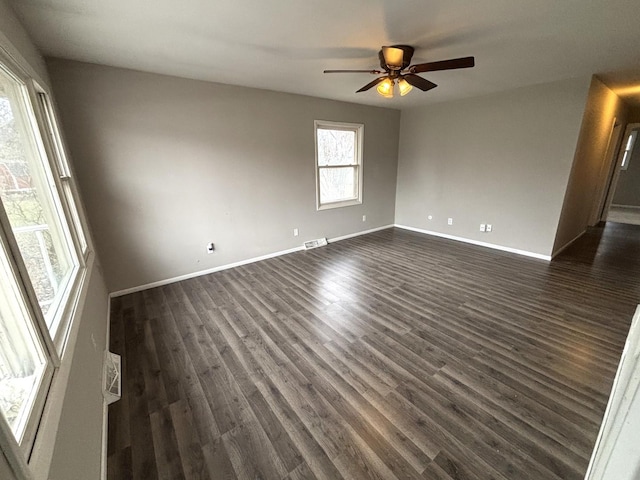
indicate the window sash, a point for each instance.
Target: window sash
{"x":42,"y":166}
{"x":54,"y":144}
{"x":42,"y":125}
{"x":35,"y":322}
{"x":356,"y":165}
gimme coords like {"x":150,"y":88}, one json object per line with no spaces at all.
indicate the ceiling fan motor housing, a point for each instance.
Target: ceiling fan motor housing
{"x":391,"y":59}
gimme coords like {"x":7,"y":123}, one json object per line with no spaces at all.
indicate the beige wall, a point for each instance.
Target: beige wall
{"x":69,"y":439}
{"x":167,"y":165}
{"x":502,"y":159}
{"x":590,"y":170}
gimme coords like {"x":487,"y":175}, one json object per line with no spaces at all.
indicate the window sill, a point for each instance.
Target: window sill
{"x":344,"y":203}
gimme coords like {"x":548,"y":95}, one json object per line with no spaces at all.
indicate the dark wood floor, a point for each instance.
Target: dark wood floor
{"x":391,"y":355}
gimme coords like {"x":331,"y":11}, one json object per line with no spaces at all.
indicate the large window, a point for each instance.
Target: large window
{"x":43,"y":251}
{"x":338,"y":164}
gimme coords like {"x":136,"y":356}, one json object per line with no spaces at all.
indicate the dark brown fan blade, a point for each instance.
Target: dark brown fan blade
{"x":419,"y":82}
{"x":375,"y":72}
{"x":371,"y":84}
{"x":464,"y":62}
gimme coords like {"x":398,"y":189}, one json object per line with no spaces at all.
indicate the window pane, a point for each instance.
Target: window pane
{"x":27,"y":196}
{"x":336,"y":147}
{"x":63,"y":167}
{"x":22,"y":360}
{"x":338,"y":184}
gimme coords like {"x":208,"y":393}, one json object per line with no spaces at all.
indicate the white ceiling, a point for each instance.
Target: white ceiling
{"x":285,"y":45}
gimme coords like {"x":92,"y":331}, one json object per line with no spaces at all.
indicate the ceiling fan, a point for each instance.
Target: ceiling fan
{"x":396,"y":64}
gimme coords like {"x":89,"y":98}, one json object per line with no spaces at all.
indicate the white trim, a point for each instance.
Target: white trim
{"x":199,"y":273}
{"x":358,"y":129}
{"x":476,"y":242}
{"x":616,"y":421}
{"x":340,"y":204}
{"x":630,"y":207}
{"x":567,"y":245}
{"x":105,"y":440}
{"x":219,"y":268}
{"x":357,"y":234}
{"x":105,"y":405}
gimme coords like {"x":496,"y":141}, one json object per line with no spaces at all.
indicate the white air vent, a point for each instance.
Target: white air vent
{"x":320,"y":242}
{"x":112,"y":380}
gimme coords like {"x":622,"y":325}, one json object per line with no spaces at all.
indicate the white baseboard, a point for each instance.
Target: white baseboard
{"x":105,"y":406}
{"x":219,"y":268}
{"x":630,"y":207}
{"x":105,"y":440}
{"x":476,"y":242}
{"x":357,"y":234}
{"x":567,"y":245}
{"x":199,"y":273}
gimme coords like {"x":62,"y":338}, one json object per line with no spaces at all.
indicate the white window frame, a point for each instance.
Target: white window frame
{"x":358,"y":129}
{"x":42,"y":424}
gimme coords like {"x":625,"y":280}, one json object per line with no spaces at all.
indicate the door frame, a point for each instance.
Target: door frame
{"x":614,"y":173}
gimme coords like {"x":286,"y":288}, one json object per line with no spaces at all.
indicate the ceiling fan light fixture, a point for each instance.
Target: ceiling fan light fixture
{"x":393,"y":57}
{"x":385,"y":88}
{"x":404,"y":87}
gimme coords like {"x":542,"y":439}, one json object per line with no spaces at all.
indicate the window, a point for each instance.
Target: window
{"x":338,"y":164}
{"x":628,"y":150}
{"x":43,"y":251}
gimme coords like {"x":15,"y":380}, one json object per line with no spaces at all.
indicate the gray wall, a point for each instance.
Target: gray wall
{"x":169,"y":164}
{"x":590,"y":169}
{"x":16,"y":41}
{"x":628,"y":187}
{"x":502,"y":159}
{"x":78,"y":430}
{"x":78,"y":449}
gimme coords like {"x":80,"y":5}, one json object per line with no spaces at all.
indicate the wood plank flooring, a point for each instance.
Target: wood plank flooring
{"x":390,"y":355}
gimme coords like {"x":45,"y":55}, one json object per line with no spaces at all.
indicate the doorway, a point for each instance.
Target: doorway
{"x":622,"y":202}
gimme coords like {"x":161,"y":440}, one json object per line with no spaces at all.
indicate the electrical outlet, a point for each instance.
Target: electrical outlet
{"x":210,"y":247}
{"x":482,"y":227}
{"x":430,"y":217}
{"x":364,"y":218}
{"x":295,"y":232}
{"x":449,"y":221}
{"x":489,"y":227}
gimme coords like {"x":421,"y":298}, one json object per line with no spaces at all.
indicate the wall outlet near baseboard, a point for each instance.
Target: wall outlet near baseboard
{"x":449,"y":221}
{"x":364,"y":218}
{"x":210,"y":247}
{"x":482,"y":227}
{"x":489,"y":227}
{"x":295,"y":232}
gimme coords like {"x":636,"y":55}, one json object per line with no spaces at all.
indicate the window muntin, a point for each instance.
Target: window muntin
{"x":33,"y":208}
{"x":338,"y":164}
